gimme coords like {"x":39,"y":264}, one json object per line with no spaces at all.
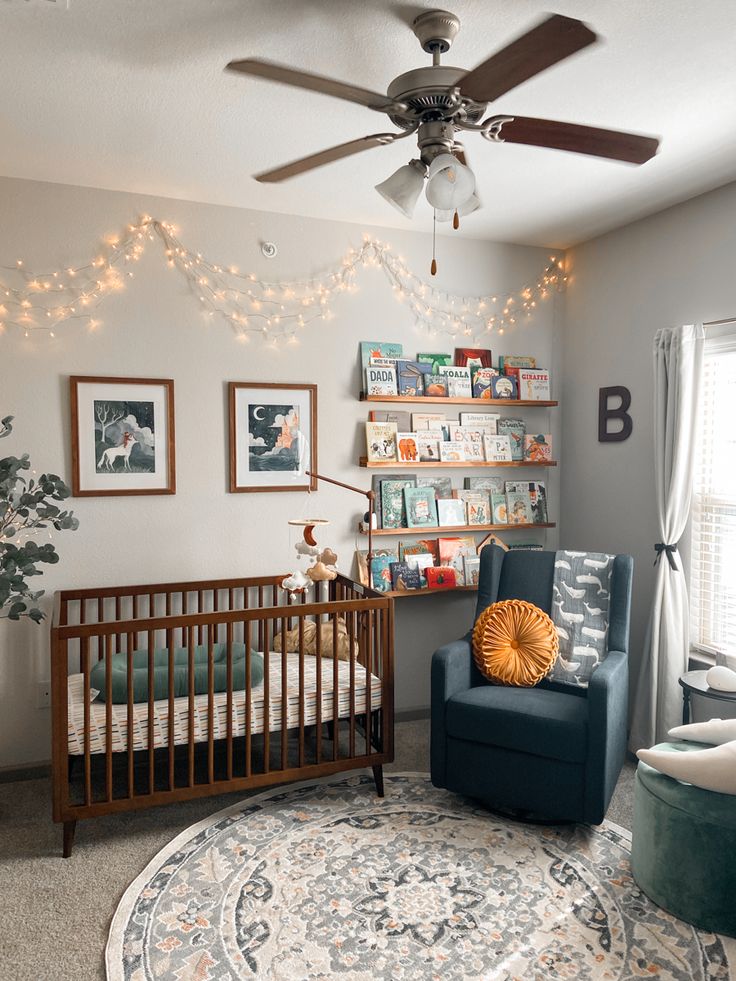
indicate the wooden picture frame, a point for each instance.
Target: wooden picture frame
{"x":273,"y":437}
{"x":122,"y":436}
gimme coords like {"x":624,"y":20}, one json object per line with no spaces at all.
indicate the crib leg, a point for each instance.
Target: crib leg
{"x":69,"y":828}
{"x":378,"y":777}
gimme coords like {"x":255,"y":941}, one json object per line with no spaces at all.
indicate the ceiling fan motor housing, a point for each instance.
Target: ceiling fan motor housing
{"x":432,"y":94}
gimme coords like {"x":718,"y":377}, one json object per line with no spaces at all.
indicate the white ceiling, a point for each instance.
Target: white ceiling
{"x":131,"y":95}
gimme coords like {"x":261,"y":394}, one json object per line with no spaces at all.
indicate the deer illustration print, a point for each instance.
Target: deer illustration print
{"x":108,"y":458}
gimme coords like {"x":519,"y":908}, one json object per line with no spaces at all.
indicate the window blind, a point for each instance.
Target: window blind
{"x":713,"y":560}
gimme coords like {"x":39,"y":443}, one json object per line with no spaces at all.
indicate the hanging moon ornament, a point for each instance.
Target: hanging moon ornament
{"x":309,"y":524}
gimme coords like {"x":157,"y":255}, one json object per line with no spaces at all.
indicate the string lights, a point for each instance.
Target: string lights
{"x":278,"y":312}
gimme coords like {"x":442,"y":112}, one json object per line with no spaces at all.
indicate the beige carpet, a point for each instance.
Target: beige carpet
{"x":54,"y":914}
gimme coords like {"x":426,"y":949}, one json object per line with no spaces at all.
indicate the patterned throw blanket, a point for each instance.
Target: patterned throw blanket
{"x":580,"y":598}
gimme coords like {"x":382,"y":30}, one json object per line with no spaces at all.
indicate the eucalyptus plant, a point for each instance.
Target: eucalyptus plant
{"x":26,"y":506}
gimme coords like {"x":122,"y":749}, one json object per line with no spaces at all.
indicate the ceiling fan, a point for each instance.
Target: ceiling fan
{"x":437,"y":101}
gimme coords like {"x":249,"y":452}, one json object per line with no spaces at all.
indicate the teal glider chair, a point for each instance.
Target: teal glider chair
{"x":551,"y":752}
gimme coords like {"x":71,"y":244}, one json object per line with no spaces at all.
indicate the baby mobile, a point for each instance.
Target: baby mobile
{"x":320,"y":562}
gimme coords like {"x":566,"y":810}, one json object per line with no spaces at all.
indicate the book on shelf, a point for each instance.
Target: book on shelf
{"x":466,"y":494}
{"x":421,"y":563}
{"x":428,"y":446}
{"x":427,"y":420}
{"x":393,"y":508}
{"x":440,"y":577}
{"x":482,"y":383}
{"x":404,"y":577}
{"x":376,"y":482}
{"x":472,"y":440}
{"x":473,"y":357}
{"x":410,"y":378}
{"x":361,"y":562}
{"x":452,"y":552}
{"x":491,"y":484}
{"x":420,"y":546}
{"x":435,"y":361}
{"x":451,"y":512}
{"x":442,"y":485}
{"x":498,"y":508}
{"x":381,"y":572}
{"x":382,"y":363}
{"x":471,"y":568}
{"x":379,"y":349}
{"x":497,"y":448}
{"x":519,"y":507}
{"x":503,"y":387}
{"x":516,"y":431}
{"x":380,"y":438}
{"x":479,"y":512}
{"x":526,"y":547}
{"x":485,"y":421}
{"x":538,"y":449}
{"x":400,"y":418}
{"x":435,"y":386}
{"x":458,"y":381}
{"x":421,"y":509}
{"x":534,"y":384}
{"x":452,"y":451}
{"x":446,"y":427}
{"x":380,"y":380}
{"x":406,"y":448}
{"x":516,"y":361}
{"x":537,"y":494}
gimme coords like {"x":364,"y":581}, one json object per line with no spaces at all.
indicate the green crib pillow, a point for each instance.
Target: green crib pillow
{"x":119,"y":672}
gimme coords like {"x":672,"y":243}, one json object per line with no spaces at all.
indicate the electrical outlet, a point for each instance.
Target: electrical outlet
{"x":43,"y":695}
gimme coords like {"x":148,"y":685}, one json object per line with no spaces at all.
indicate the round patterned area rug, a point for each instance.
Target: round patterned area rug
{"x":325,"y":880}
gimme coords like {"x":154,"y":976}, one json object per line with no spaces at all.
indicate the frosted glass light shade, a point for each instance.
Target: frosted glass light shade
{"x":403,"y":188}
{"x":471,"y":205}
{"x":449,"y":183}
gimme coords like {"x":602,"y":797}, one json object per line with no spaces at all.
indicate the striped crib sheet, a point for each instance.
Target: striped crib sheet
{"x":201,"y":708}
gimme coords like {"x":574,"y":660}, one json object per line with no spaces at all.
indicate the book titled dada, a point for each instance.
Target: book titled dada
{"x":380,"y":379}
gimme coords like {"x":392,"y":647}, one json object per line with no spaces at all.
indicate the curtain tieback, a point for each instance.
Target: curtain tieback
{"x":668,"y":550}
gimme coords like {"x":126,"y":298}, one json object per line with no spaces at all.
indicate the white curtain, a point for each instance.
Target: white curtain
{"x":678,"y":360}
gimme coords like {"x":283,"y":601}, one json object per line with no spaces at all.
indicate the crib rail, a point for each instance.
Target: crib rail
{"x":313,"y":713}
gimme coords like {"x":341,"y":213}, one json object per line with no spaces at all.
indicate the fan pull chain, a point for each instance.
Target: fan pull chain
{"x":456,"y":220}
{"x":433,"y":267}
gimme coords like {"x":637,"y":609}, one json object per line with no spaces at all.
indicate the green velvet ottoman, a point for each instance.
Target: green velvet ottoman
{"x":683,"y":853}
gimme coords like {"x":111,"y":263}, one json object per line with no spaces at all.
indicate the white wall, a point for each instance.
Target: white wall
{"x":676,"y":267}
{"x":154,"y":329}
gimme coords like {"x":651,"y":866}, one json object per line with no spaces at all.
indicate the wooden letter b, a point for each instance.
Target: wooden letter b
{"x":620,"y":412}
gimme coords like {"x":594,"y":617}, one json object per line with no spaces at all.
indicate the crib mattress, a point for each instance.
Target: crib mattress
{"x":201,"y":708}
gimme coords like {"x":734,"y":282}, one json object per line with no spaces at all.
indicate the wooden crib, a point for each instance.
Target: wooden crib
{"x":310,"y":715}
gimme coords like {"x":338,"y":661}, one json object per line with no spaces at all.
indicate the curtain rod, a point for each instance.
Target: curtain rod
{"x":719,"y":323}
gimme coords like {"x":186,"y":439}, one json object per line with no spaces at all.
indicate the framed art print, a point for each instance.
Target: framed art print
{"x":122,"y":436}
{"x":273,"y":437}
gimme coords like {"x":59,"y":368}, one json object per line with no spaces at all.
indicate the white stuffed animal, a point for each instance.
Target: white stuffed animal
{"x":710,"y":769}
{"x":714,"y":731}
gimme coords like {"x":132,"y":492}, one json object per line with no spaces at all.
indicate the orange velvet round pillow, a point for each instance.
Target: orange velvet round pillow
{"x":514,"y":643}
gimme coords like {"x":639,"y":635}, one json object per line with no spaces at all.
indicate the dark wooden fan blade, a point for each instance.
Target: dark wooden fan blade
{"x":579,"y":139}
{"x":546,"y":44}
{"x":315,"y":83}
{"x":315,"y":160}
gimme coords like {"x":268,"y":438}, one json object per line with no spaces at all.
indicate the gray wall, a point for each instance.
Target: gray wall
{"x":676,"y":267}
{"x":154,"y":328}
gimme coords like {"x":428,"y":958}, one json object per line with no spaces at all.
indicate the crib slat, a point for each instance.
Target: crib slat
{"x":87,"y":755}
{"x":368,"y":667}
{"x":284,"y":697}
{"x":151,"y":732}
{"x":171,"y":734}
{"x":260,"y":622}
{"x":200,"y":609}
{"x":229,"y":655}
{"x":190,"y":692}
{"x":351,"y":641}
{"x":335,"y":692}
{"x":248,"y":705}
{"x":301,"y":691}
{"x":129,"y":645}
{"x":266,"y":693}
{"x":210,"y":705}
{"x":118,"y":637}
{"x":318,"y":668}
{"x":108,"y":717}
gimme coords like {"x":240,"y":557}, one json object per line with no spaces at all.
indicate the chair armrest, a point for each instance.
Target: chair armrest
{"x":608,"y":709}
{"x":451,"y":673}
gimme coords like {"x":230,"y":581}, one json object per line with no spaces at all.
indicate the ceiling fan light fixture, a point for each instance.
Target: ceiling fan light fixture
{"x":450,"y":184}
{"x":402,"y":188}
{"x":471,"y":205}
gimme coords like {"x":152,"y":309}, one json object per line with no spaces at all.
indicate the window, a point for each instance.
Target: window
{"x":713,"y":562}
